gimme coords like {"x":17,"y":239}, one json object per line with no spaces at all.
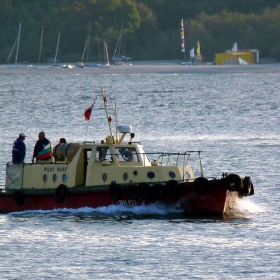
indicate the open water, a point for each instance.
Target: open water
{"x":232,"y":115}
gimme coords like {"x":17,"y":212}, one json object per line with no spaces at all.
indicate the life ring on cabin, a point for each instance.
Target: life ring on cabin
{"x":143,"y":191}
{"x":158,"y":191}
{"x":19,"y":197}
{"x":115,"y":191}
{"x":132,"y":190}
{"x":127,"y":156}
{"x":247,"y":188}
{"x":172,"y":187}
{"x":233,"y":182}
{"x":60,"y":193}
{"x":201,"y":185}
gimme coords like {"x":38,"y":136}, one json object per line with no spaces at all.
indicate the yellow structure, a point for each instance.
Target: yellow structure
{"x":234,"y":58}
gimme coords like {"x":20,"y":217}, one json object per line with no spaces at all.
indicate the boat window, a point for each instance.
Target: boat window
{"x":127,"y":154}
{"x":64,"y":177}
{"x":144,"y":155}
{"x":54,"y":177}
{"x":103,"y":153}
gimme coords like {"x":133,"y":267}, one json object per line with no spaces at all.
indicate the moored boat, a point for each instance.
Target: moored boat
{"x":117,"y":171}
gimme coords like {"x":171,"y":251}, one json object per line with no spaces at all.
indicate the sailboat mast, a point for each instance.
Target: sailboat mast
{"x":41,"y":43}
{"x":106,"y":52}
{"x":56,"y":48}
{"x":120,"y":43}
{"x":85,"y":49}
{"x":88,"y":43}
{"x":183,"y":39}
{"x":18,"y":42}
{"x":12,"y":50}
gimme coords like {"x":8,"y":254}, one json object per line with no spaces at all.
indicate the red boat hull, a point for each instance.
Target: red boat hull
{"x":214,"y":200}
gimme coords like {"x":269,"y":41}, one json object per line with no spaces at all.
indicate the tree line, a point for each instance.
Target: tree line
{"x":150,"y":28}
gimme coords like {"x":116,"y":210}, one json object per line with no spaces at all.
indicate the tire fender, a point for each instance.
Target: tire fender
{"x":201,"y":185}
{"x":115,"y":191}
{"x":144,"y":191}
{"x":60,"y":193}
{"x":233,"y":182}
{"x":172,"y":187}
{"x":19,"y":197}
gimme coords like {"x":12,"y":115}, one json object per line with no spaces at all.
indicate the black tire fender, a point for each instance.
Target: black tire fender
{"x":248,"y":188}
{"x":60,"y":193}
{"x":132,"y":190}
{"x":115,"y":191}
{"x":158,"y":191}
{"x":172,"y":187}
{"x":233,"y":182}
{"x":144,"y":190}
{"x":19,"y":197}
{"x":201,"y":185}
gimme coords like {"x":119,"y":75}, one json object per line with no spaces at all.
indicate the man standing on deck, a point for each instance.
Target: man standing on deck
{"x":42,"y":150}
{"x":19,"y":149}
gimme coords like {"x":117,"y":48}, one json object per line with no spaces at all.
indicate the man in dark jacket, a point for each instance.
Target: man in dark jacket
{"x":42,"y":149}
{"x":19,"y":149}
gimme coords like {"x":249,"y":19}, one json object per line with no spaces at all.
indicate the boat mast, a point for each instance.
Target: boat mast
{"x":41,"y":43}
{"x":183,"y":39}
{"x":120,"y":40}
{"x":106,"y":57}
{"x":18,"y":43}
{"x":118,"y":46}
{"x":56,"y":49}
{"x":88,"y":42}
{"x":84,"y":50}
{"x":12,"y":50}
{"x":106,"y":110}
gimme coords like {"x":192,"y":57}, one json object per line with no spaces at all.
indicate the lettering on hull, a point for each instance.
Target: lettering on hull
{"x":131,"y":203}
{"x":53,"y":169}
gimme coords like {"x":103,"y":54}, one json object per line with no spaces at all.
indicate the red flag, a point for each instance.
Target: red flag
{"x":88,"y":112}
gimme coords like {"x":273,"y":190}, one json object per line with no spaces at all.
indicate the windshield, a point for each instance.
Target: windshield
{"x":127,"y":154}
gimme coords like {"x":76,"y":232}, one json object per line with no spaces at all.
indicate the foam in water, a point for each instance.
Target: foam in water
{"x":247,"y":207}
{"x":153,"y":209}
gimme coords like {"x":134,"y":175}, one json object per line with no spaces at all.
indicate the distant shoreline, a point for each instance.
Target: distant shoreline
{"x":143,"y":68}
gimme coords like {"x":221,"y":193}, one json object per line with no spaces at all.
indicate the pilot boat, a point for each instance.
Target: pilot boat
{"x":118,"y":171}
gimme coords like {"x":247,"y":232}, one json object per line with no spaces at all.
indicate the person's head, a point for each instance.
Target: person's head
{"x":62,"y":140}
{"x":42,"y":135}
{"x":22,"y":135}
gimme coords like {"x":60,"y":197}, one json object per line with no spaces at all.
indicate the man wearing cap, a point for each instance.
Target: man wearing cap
{"x":42,"y":150}
{"x":19,"y":149}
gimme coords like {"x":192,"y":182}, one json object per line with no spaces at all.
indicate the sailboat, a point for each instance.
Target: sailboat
{"x":106,"y":58}
{"x":81,"y":64}
{"x":119,"y":59}
{"x":55,"y":58}
{"x":86,"y":48}
{"x":182,"y":33}
{"x":17,"y":49}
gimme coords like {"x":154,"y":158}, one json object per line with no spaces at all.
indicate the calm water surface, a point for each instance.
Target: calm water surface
{"x":232,"y":117}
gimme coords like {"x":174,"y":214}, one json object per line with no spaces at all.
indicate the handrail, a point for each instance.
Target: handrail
{"x":162,"y":155}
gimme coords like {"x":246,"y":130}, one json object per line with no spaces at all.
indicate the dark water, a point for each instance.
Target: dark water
{"x":233,"y":117}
